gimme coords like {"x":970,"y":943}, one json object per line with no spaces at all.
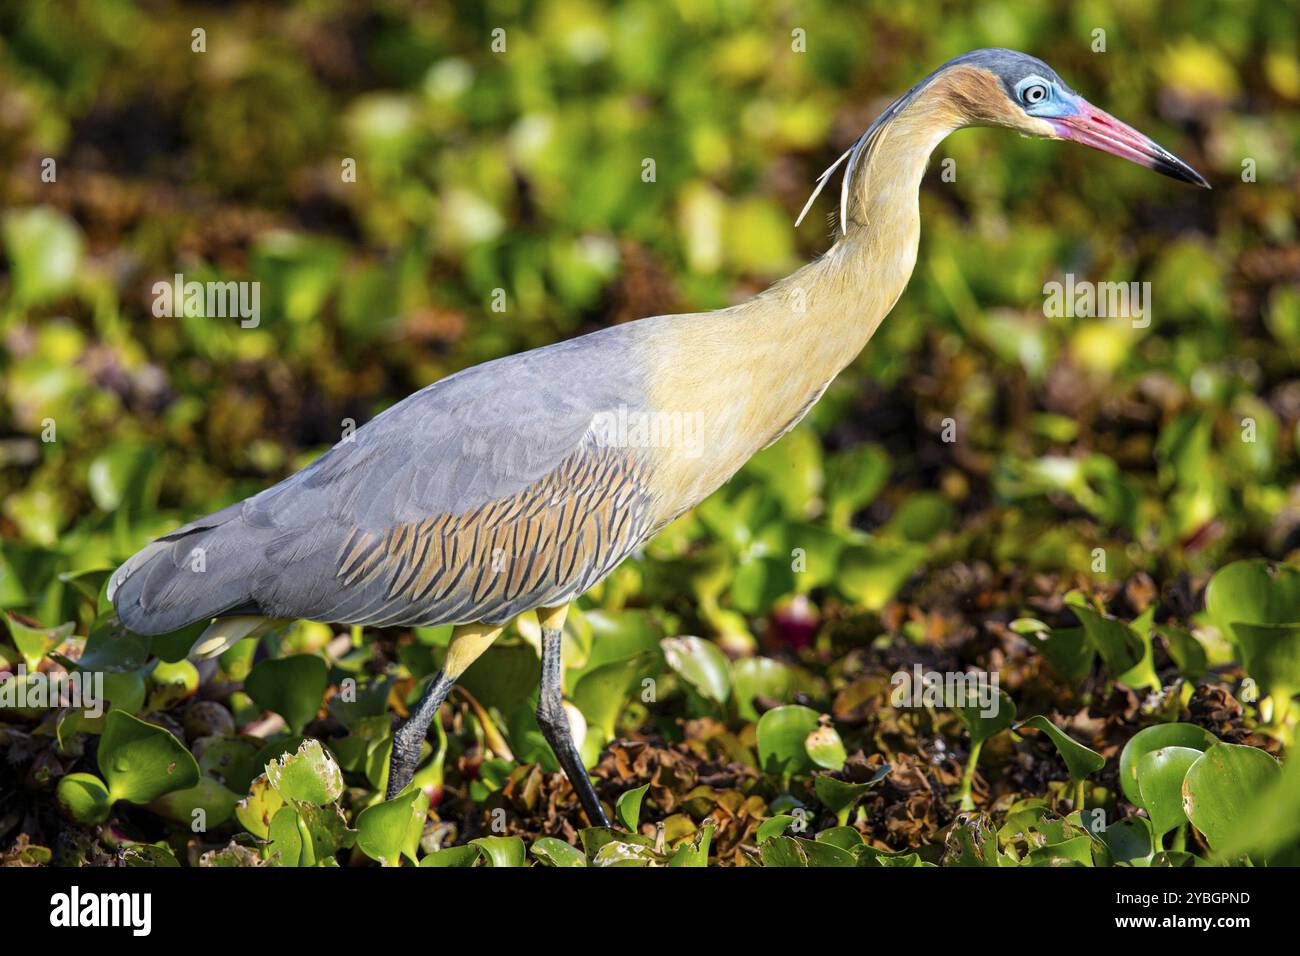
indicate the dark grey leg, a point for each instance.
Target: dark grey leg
{"x":555,"y":728}
{"x":409,"y":737}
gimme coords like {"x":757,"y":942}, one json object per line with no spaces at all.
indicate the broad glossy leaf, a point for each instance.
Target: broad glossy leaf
{"x":755,"y":676}
{"x":1271,"y":654}
{"x":1253,"y":591}
{"x":1153,"y":738}
{"x":1080,"y":760}
{"x":35,"y":642}
{"x":826,"y":748}
{"x":290,"y":686}
{"x":1219,"y":788}
{"x":501,"y":851}
{"x":701,"y":664}
{"x":781,"y":733}
{"x":628,"y":807}
{"x":84,"y":798}
{"x":983,"y":722}
{"x":140,"y":762}
{"x":557,"y":853}
{"x":309,"y":776}
{"x":1160,"y":779}
{"x":389,"y":830}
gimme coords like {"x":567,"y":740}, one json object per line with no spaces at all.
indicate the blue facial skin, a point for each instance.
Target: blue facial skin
{"x":1055,"y":103}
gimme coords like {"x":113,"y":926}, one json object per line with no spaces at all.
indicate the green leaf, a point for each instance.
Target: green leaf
{"x":256,"y":811}
{"x":826,"y":748}
{"x":124,"y":474}
{"x":1219,"y":787}
{"x":45,"y":251}
{"x":628,"y":807}
{"x":208,"y":795}
{"x":1271,"y":655}
{"x":1153,"y":738}
{"x":557,"y":853}
{"x":1120,"y":648}
{"x":285,"y":838}
{"x":872,"y":571}
{"x":309,"y":776}
{"x":759,"y":676}
{"x":838,"y":795}
{"x":1079,"y":760}
{"x":501,"y":851}
{"x":1073,"y":852}
{"x":1130,"y":840}
{"x":1068,"y":650}
{"x":452,"y":856}
{"x":1160,"y":779}
{"x":781,"y":733}
{"x":1253,"y":592}
{"x":921,"y":518}
{"x":290,"y":686}
{"x":602,"y":693}
{"x":695,"y":851}
{"x":1185,"y":649}
{"x":34,"y":643}
{"x":389,"y":830}
{"x":701,"y":664}
{"x":985,"y":722}
{"x":84,"y":798}
{"x":773,"y":826}
{"x":140,"y":762}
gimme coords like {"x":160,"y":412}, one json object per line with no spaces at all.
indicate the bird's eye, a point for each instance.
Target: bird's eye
{"x":1033,"y":94}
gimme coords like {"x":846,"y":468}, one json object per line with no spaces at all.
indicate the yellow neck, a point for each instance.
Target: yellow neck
{"x":754,"y":370}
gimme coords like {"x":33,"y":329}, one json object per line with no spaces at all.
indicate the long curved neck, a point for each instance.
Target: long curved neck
{"x":754,"y":370}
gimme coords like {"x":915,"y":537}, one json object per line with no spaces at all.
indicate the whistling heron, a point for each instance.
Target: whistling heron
{"x":496,"y":491}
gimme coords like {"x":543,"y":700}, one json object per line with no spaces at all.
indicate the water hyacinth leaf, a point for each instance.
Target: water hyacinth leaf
{"x":112,"y":651}
{"x":619,"y":853}
{"x":759,"y":676}
{"x":840,"y":795}
{"x":327,"y":832}
{"x":1255,"y":592}
{"x":855,"y":478}
{"x":557,"y":853}
{"x":1068,"y":650}
{"x":1271,"y":654}
{"x":783,"y":851}
{"x":921,"y":518}
{"x":1160,"y":779}
{"x":389,"y":830}
{"x":149,"y":854}
{"x":1073,"y":852}
{"x":289,"y":686}
{"x":872,"y":571}
{"x":33,"y":641}
{"x":1130,"y":840}
{"x":825,"y":748}
{"x":701,"y":664}
{"x":1220,"y":786}
{"x":1185,"y":649}
{"x":285,"y":839}
{"x":124,"y":474}
{"x":1079,"y":760}
{"x":1269,"y":829}
{"x":987,"y":718}
{"x":207,"y":802}
{"x":84,"y":798}
{"x":846,"y":838}
{"x":602,"y":694}
{"x":140,"y":762}
{"x":309,"y":776}
{"x":452,"y":856}
{"x":501,"y":851}
{"x":44,"y":248}
{"x":695,"y":851}
{"x":1120,"y":648}
{"x":1153,"y":738}
{"x":618,"y":636}
{"x":781,"y":733}
{"x":774,"y":826}
{"x":628,"y":807}
{"x":256,"y":811}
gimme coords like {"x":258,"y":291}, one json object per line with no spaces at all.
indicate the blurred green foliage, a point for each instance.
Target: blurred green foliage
{"x":975,"y":430}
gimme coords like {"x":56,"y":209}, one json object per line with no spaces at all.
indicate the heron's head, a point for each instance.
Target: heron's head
{"x":1023,"y":93}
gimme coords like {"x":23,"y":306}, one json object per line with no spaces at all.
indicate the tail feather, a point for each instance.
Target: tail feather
{"x":200,"y":571}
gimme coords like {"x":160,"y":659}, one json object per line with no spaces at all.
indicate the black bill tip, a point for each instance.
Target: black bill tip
{"x":1167,"y":164}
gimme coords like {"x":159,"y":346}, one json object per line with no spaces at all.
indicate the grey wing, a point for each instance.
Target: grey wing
{"x":478,"y":497}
